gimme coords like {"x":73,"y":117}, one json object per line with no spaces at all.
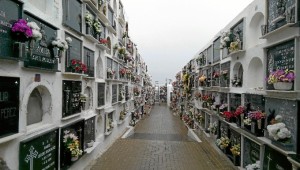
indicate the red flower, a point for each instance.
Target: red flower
{"x":77,"y":68}
{"x":227,"y":115}
{"x":73,"y":61}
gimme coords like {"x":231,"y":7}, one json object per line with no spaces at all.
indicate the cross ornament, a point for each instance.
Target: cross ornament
{"x":29,"y":158}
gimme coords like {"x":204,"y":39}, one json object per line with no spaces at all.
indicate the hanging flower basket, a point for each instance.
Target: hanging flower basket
{"x":283,"y":85}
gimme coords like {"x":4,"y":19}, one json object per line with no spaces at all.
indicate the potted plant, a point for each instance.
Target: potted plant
{"x":72,"y":144}
{"x":282,"y":79}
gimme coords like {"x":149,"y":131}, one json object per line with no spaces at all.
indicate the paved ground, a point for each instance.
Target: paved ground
{"x":160,"y":142}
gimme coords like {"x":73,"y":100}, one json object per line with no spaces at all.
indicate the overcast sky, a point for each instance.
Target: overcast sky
{"x":168,"y":33}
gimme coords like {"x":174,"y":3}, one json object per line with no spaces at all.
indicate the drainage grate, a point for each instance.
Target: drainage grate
{"x":161,"y":137}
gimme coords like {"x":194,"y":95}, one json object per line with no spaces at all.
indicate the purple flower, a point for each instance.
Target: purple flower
{"x":21,"y":27}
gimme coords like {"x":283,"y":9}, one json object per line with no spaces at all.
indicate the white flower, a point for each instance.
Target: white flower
{"x":278,"y":118}
{"x":69,"y":39}
{"x":226,"y":39}
{"x":284,"y":133}
{"x":36,"y":34}
{"x":278,"y":131}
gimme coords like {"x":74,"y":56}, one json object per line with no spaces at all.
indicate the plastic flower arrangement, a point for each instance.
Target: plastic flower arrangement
{"x":281,"y":76}
{"x":202,"y":78}
{"x":21,"y":30}
{"x":226,"y":39}
{"x":122,"y":115}
{"x":216,"y":75}
{"x":136,"y":91}
{"x":110,"y":72}
{"x":197,"y":95}
{"x":236,"y":150}
{"x":223,"y":142}
{"x":122,"y":50}
{"x":103,"y":41}
{"x":224,"y":73}
{"x":71,"y":142}
{"x":239,"y":110}
{"x":36,"y":34}
{"x":247,"y":121}
{"x":110,"y":125}
{"x":255,"y":166}
{"x":97,"y":26}
{"x":227,"y":115}
{"x":256,"y":115}
{"x":77,"y":66}
{"x":278,"y":131}
{"x":60,"y":44}
{"x":213,"y":127}
{"x":88,"y":18}
{"x":234,"y":46}
{"x":122,"y":71}
{"x":128,"y":72}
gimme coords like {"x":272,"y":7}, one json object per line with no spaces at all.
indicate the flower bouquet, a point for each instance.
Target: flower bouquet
{"x":223,"y":142}
{"x":36,"y":34}
{"x":281,"y":79}
{"x":88,"y":18}
{"x":122,"y":72}
{"x":254,"y":121}
{"x":224,"y":74}
{"x":110,"y":73}
{"x":236,"y":150}
{"x":97,"y":26}
{"x":21,"y":31}
{"x":60,"y":44}
{"x":72,"y":144}
{"x":198,"y":95}
{"x":77,"y":66}
{"x":239,"y":114}
{"x":255,"y":166}
{"x":213,"y":128}
{"x":278,"y":130}
{"x":136,"y":91}
{"x":226,"y":39}
{"x":216,"y":75}
{"x":229,"y":117}
{"x":103,"y":41}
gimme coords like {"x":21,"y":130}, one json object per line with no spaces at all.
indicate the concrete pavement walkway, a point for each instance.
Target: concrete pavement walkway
{"x":160,"y":142}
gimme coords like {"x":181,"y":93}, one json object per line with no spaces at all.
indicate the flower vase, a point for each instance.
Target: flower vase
{"x":283,"y":85}
{"x":284,"y":144}
{"x":259,"y":124}
{"x":236,"y":160}
{"x":88,"y":29}
{"x":19,"y":49}
{"x":74,"y":158}
{"x":253,"y":125}
{"x":242,"y":119}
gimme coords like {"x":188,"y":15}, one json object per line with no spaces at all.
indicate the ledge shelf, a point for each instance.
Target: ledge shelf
{"x":102,"y":17}
{"x":281,"y":94}
{"x":276,"y":31}
{"x":10,"y":137}
{"x":91,"y":38}
{"x":89,"y":150}
{"x":120,"y":122}
{"x":110,"y":28}
{"x":71,"y":116}
{"x":102,"y":47}
{"x":108,"y":133}
{"x":72,"y":74}
{"x":91,"y":5}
